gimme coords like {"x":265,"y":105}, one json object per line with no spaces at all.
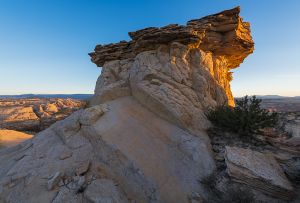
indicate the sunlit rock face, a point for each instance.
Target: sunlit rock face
{"x":176,"y":71}
{"x":10,"y":138}
{"x":143,"y":138}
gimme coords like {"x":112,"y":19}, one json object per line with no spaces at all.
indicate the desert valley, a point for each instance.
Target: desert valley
{"x":162,"y":126}
{"x":31,"y":116}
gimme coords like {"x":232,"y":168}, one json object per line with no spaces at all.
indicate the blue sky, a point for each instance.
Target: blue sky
{"x":44,"y":43}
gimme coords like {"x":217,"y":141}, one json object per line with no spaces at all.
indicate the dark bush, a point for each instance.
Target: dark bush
{"x":232,"y":193}
{"x":246,"y":118}
{"x":236,"y":195}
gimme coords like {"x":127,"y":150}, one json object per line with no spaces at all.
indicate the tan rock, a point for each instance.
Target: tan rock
{"x":9,"y":138}
{"x":176,"y":71}
{"x":51,"y":108}
{"x":223,"y":33}
{"x":92,"y":114}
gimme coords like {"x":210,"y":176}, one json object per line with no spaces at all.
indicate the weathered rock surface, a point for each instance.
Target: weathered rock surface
{"x":35,"y":114}
{"x":176,"y":71}
{"x":143,"y":139}
{"x":224,"y":34}
{"x":260,"y":171}
{"x":104,"y":190}
{"x":152,"y":161}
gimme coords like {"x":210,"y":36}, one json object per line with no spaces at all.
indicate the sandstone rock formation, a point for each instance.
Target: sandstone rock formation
{"x":176,"y":71}
{"x":35,"y":114}
{"x":260,"y":171}
{"x":143,"y":138}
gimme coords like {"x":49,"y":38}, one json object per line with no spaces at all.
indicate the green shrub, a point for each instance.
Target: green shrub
{"x":246,"y":118}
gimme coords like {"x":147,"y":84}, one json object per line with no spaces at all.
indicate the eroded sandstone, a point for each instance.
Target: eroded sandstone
{"x":176,"y":71}
{"x":35,"y":114}
{"x":258,"y":170}
{"x":143,"y":139}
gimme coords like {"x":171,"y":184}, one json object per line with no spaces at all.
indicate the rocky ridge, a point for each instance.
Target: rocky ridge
{"x":143,"y":138}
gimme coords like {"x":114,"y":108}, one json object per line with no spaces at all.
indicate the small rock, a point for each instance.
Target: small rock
{"x":81,"y":181}
{"x":65,"y":196}
{"x":82,"y":168}
{"x":91,"y":115}
{"x":66,"y":153}
{"x":104,"y":190}
{"x":61,"y":183}
{"x":54,"y":180}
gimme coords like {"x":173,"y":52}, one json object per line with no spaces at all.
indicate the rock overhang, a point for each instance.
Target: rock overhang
{"x":177,"y":71}
{"x":224,"y":34}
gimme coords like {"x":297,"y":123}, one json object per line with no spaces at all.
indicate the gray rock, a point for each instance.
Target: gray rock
{"x":65,"y":195}
{"x":104,"y":191}
{"x":82,"y":168}
{"x":260,"y":171}
{"x":54,"y":180}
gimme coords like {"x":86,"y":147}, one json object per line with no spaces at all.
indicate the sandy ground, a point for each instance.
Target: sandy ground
{"x":10,"y":138}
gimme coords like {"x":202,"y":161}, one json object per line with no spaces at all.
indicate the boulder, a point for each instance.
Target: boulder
{"x":92,"y":114}
{"x":258,"y":170}
{"x":104,"y":190}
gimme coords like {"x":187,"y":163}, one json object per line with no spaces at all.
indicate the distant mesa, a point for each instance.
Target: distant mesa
{"x":48,"y":96}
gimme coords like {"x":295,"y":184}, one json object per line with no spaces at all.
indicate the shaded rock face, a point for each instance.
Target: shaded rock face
{"x":176,"y":71}
{"x":143,"y":138}
{"x":260,"y":171}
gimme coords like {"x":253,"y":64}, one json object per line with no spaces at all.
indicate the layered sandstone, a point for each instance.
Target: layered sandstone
{"x":176,"y":71}
{"x":143,"y":138}
{"x":258,"y":170}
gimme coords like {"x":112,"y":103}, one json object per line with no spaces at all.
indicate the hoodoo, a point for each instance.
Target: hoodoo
{"x":143,"y":137}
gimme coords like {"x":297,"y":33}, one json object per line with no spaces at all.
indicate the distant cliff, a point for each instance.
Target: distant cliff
{"x":48,"y":96}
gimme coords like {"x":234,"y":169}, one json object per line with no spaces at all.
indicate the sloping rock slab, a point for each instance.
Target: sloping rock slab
{"x":104,"y":190}
{"x":260,"y":171}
